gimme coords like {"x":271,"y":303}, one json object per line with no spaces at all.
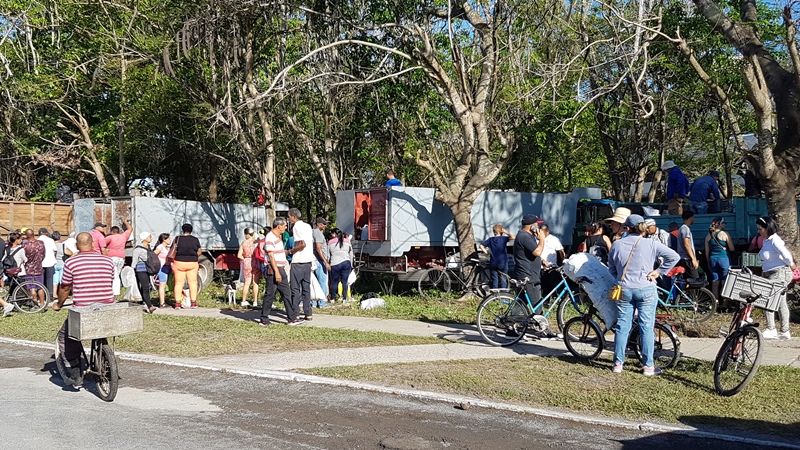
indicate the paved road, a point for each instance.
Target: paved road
{"x":168,"y":407}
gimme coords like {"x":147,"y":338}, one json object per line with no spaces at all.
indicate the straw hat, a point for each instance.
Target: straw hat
{"x":620,"y":215}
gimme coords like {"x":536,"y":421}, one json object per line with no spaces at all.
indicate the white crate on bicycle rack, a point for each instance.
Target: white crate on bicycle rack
{"x":739,"y":281}
{"x":101,"y":321}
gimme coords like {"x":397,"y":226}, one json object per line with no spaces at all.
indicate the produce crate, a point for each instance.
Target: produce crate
{"x":739,"y":281}
{"x":750,"y":260}
{"x":100,"y":320}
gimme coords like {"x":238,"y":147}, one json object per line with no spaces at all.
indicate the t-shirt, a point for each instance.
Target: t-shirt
{"x":19,"y":257}
{"x":91,"y":276}
{"x":498,"y":254}
{"x":72,"y":245}
{"x":552,"y":245}
{"x":341,"y":254}
{"x":393,"y":182}
{"x":50,"y":250}
{"x":525,"y":264}
{"x":273,"y":243}
{"x":301,"y":231}
{"x":188,"y":246}
{"x":319,"y":238}
{"x":34,"y":251}
{"x":685,"y":232}
{"x":115,"y":243}
{"x":162,"y":252}
{"x":99,"y":240}
{"x":59,"y":254}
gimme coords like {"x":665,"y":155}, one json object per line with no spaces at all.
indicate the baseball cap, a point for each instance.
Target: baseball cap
{"x":143,"y":235}
{"x":633,"y":220}
{"x":531,"y":219}
{"x":620,"y":214}
{"x":99,"y":224}
{"x":321,"y":220}
{"x":714,"y":173}
{"x":650,"y":222}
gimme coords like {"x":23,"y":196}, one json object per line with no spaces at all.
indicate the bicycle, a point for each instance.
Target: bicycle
{"x":472,"y":275}
{"x":23,"y":293}
{"x":504,"y":317}
{"x":739,"y":357}
{"x":686,"y":301}
{"x":95,"y":322}
{"x":585,"y":339}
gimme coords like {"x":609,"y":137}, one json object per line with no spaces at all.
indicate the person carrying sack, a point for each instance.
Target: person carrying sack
{"x":631,"y":262}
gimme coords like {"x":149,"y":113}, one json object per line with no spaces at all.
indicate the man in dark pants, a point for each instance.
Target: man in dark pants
{"x":527,"y":251}
{"x":302,"y":257}
{"x":277,"y":281}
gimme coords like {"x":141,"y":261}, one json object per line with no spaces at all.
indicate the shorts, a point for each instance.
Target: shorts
{"x":39,"y":278}
{"x":163,"y":274}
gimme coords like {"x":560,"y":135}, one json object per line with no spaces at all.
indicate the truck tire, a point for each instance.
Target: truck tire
{"x":206,"y":271}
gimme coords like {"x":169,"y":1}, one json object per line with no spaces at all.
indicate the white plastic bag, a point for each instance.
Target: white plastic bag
{"x":351,"y":279}
{"x":316,"y":289}
{"x":374,"y":302}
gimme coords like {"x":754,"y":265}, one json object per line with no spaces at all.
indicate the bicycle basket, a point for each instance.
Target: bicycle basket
{"x":739,"y":281}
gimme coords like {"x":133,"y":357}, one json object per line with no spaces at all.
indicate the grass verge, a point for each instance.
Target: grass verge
{"x":770,"y":404}
{"x":197,"y":336}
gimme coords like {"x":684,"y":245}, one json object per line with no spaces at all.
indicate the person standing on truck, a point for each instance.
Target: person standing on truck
{"x":686,"y":245}
{"x":497,"y":247}
{"x":777,"y":264}
{"x":718,"y":244}
{"x":677,"y":183}
{"x":527,"y":251}
{"x":704,"y":188}
{"x":391,"y":180}
{"x":322,"y":254}
{"x":115,"y":245}
{"x":98,"y":234}
{"x":302,"y":256}
{"x":88,"y":276}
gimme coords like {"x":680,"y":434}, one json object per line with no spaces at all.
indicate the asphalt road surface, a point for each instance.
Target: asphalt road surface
{"x":167,"y":407}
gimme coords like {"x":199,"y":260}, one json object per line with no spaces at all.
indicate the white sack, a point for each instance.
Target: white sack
{"x":583,"y":265}
{"x":371,"y":303}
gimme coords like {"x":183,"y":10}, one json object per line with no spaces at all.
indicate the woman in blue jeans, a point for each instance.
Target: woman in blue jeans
{"x":718,"y":243}
{"x":631,"y":262}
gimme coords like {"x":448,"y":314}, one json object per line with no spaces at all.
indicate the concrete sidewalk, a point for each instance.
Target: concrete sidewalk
{"x":468,"y":344}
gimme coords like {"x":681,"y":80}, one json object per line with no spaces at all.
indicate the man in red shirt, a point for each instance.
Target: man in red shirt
{"x":98,"y":235}
{"x":115,"y":244}
{"x":90,"y":275}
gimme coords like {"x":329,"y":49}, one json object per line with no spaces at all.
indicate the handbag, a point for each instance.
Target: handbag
{"x":173,"y":250}
{"x":615,"y":293}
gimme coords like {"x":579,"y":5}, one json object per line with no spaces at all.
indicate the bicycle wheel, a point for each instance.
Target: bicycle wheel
{"x":482,"y":282}
{"x":737,"y":361}
{"x":583,"y":338}
{"x":666,"y":347}
{"x":25,"y":297}
{"x":433,"y":282}
{"x":107,"y":376}
{"x":567,"y":309}
{"x":502,"y":319}
{"x":695,"y":305}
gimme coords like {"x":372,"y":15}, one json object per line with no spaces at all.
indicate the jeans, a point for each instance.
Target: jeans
{"x":48,"y":273}
{"x":300,"y":276}
{"x":645,"y":301}
{"x":784,"y":275}
{"x":341,"y":272}
{"x":699,"y":207}
{"x":143,"y":280}
{"x":498,"y":277}
{"x":322,"y":277}
{"x":719,"y":268}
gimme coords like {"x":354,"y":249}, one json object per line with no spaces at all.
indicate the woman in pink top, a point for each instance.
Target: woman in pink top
{"x":250,"y":266}
{"x":162,"y":250}
{"x":115,"y":244}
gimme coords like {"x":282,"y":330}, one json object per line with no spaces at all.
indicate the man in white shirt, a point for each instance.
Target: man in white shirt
{"x":550,"y":254}
{"x":302,"y":255}
{"x":49,"y":261}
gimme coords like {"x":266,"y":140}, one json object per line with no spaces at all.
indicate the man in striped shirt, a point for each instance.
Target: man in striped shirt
{"x":90,"y":275}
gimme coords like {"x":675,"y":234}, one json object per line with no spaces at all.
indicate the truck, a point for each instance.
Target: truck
{"x":36,"y":215}
{"x":399,"y":230}
{"x":740,"y":214}
{"x":218,"y":226}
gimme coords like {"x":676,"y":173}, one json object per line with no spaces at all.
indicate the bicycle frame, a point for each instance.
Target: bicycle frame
{"x":558,"y":291}
{"x":675,"y":292}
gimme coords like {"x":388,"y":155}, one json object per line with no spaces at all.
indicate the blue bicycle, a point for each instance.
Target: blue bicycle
{"x":686,"y":299}
{"x":505,"y":316}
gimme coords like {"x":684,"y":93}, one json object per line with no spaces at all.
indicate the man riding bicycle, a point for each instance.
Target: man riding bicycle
{"x":90,"y":275}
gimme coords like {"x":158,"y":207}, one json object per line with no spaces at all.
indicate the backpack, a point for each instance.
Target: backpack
{"x":152,"y":264}
{"x":259,"y":254}
{"x":8,"y":261}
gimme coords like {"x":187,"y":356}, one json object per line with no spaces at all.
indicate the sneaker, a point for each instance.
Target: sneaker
{"x":322,"y":305}
{"x":309,"y":317}
{"x":263,"y":324}
{"x":617,"y":368}
{"x":547,"y":335}
{"x":151,"y":310}
{"x":178,"y":306}
{"x":255,"y":304}
{"x":7,"y":309}
{"x":770,"y":333}
{"x":245,"y":303}
{"x":296,"y":322}
{"x":650,"y":371}
{"x":785,"y":335}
